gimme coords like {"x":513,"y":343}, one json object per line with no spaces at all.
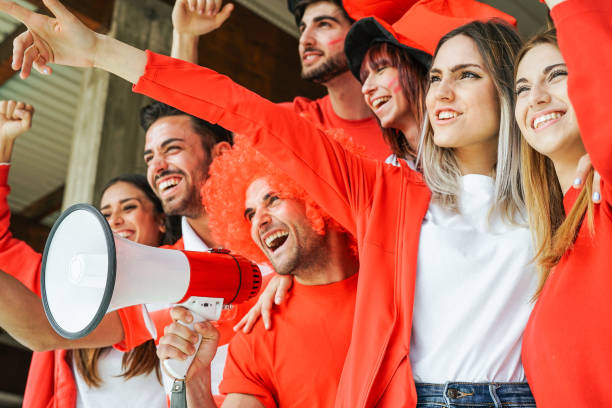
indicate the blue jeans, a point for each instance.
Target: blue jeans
{"x":474,"y":395}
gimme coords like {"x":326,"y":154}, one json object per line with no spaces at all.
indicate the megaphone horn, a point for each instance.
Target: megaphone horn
{"x":87,"y":272}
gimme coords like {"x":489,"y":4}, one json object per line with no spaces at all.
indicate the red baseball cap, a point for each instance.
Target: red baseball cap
{"x":386,"y":10}
{"x":419,"y":30}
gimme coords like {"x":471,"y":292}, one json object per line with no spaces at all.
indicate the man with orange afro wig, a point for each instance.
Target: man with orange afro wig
{"x":257,"y":211}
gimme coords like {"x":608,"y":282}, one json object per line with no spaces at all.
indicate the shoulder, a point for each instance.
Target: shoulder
{"x":301,"y":104}
{"x":177,"y":245}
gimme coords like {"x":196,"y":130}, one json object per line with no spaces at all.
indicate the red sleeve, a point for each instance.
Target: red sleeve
{"x":243,"y":374}
{"x":339,"y":181}
{"x":17,"y":258}
{"x":135,"y":328}
{"x":584,"y":29}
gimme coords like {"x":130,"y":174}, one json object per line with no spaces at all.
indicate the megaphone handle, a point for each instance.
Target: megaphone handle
{"x":178,"y":368}
{"x":202,"y":309}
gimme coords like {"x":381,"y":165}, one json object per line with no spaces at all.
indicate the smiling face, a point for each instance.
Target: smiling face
{"x":177,"y":165}
{"x":383,"y":93}
{"x":131,"y":214}
{"x":280,"y":228}
{"x":462,"y":101}
{"x":543,"y":110}
{"x":322,"y":31}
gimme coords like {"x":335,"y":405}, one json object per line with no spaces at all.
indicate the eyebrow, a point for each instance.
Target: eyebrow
{"x":121,"y":202}
{"x":545,"y":71}
{"x":318,"y":19}
{"x":456,"y":68}
{"x":249,"y":210}
{"x":164,"y":144}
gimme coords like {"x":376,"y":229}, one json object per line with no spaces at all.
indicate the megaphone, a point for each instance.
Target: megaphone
{"x":87,"y":272}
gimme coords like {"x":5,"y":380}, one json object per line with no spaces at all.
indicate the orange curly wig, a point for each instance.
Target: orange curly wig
{"x":224,"y":193}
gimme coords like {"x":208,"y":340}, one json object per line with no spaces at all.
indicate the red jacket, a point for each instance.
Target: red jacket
{"x":567,"y":345}
{"x":50,"y":382}
{"x":382,"y":205}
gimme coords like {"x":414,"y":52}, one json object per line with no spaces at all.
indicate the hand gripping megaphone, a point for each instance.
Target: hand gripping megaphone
{"x":87,"y":272}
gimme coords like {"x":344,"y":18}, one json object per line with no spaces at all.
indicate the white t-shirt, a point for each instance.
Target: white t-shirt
{"x":143,"y":391}
{"x":474,"y":285}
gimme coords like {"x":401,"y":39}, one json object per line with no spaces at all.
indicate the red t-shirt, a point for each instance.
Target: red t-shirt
{"x":567,"y":345}
{"x":299,"y":362}
{"x":364,"y":132}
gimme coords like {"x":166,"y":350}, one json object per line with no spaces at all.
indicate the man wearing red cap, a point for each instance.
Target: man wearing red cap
{"x":323,"y":25}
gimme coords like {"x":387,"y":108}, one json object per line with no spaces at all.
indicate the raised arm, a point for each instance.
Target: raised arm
{"x":340,"y":182}
{"x":192,"y":19}
{"x":584,"y":29}
{"x":16,"y":257}
{"x":64,"y":40}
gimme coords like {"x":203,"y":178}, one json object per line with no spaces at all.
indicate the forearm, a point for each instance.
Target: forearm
{"x":185,"y":47}
{"x":23,"y":317}
{"x":199,"y":394}
{"x":6,"y":150}
{"x":584,"y":32}
{"x":119,"y":58}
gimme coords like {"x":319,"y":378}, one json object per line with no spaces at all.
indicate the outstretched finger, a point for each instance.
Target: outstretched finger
{"x":21,"y":43}
{"x":596,"y":187}
{"x":224,"y":14}
{"x":266,"y":312}
{"x":213,"y":7}
{"x":242,"y":322}
{"x":29,"y":56}
{"x":58,"y":9}
{"x":285,"y":283}
{"x":28,"y":17}
{"x":582,"y":170}
{"x":201,"y":6}
{"x":41,"y":66}
{"x":192,"y":5}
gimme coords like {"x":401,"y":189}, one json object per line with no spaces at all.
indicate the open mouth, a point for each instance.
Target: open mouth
{"x":167,"y":184}
{"x":379,"y":101}
{"x":124,"y":233}
{"x":447,"y":115}
{"x":311,"y":55}
{"x":545,"y":120}
{"x":276,"y":240}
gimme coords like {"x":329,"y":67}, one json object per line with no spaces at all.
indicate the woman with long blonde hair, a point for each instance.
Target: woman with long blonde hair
{"x":562,"y":110}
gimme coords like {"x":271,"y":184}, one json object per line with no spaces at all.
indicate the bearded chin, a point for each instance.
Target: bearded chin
{"x":327,"y":71}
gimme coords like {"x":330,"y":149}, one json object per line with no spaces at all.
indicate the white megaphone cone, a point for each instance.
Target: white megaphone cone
{"x":87,"y":272}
